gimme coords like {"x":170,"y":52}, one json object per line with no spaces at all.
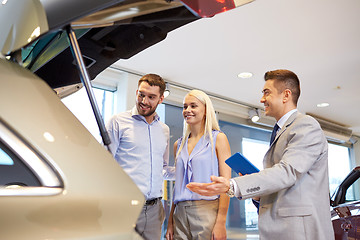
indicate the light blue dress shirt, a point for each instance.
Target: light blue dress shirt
{"x":284,"y":118}
{"x":141,"y":149}
{"x":195,"y":167}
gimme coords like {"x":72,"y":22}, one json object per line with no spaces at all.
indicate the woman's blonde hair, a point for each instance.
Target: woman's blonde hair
{"x":210,"y":119}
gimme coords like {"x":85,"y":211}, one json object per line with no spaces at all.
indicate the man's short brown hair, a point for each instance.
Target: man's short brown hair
{"x":285,"y":79}
{"x":154,"y":80}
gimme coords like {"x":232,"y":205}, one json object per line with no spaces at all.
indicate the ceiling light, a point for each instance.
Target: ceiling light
{"x":245,"y":75}
{"x":322,"y":105}
{"x":167,"y":90}
{"x":254,"y":115}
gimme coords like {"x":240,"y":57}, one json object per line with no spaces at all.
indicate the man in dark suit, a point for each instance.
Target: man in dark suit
{"x":294,"y":185}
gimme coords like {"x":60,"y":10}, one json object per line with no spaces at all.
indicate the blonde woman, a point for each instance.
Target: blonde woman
{"x":200,"y":153}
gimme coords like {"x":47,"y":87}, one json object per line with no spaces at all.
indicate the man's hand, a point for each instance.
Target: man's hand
{"x":219,"y":185}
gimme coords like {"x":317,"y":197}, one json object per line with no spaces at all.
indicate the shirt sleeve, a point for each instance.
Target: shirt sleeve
{"x":168,"y":171}
{"x":236,"y":189}
{"x":112,"y":128}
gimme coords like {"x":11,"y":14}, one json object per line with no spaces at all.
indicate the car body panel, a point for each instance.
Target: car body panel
{"x":121,"y":12}
{"x":346,"y":220}
{"x":345,"y":216}
{"x":39,"y":174}
{"x":18,"y":30}
{"x":208,"y":8}
{"x":61,"y":13}
{"x":38,"y":17}
{"x":93,"y":183}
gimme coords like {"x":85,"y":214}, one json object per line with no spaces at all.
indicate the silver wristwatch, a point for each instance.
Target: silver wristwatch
{"x":231,"y":191}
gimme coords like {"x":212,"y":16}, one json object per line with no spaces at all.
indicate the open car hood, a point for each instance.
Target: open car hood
{"x":107,"y":30}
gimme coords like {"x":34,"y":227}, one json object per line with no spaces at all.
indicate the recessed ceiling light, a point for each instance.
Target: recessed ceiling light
{"x":322,"y":105}
{"x":245,"y":75}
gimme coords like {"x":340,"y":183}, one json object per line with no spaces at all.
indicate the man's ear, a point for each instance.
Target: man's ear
{"x":287,"y":95}
{"x":161,"y":99}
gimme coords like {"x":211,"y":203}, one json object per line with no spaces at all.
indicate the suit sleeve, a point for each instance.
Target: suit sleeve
{"x":293,"y":155}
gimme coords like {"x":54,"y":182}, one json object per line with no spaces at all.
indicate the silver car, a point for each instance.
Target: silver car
{"x":56,"y":180}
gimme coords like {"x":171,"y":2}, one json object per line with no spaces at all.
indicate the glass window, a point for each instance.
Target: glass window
{"x":174,"y":119}
{"x":242,"y":217}
{"x":254,"y":150}
{"x":5,"y":159}
{"x":13,"y":172}
{"x":78,"y":103}
{"x":171,"y":116}
{"x":339,"y":168}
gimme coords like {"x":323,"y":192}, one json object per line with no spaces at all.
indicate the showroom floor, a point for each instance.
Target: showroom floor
{"x":235,"y":234}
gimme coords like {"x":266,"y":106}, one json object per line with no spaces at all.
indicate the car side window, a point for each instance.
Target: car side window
{"x":350,"y":192}
{"x":13,"y":172}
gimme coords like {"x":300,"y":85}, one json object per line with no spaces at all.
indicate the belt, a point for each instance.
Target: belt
{"x":152,"y":201}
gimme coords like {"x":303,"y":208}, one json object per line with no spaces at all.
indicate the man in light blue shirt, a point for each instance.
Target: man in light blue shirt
{"x":140,"y":144}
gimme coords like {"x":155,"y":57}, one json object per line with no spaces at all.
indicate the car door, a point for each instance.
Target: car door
{"x":346,"y":221}
{"x":345,"y":214}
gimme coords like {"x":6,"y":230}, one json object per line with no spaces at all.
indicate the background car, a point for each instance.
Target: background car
{"x":346,"y":210}
{"x":56,"y":180}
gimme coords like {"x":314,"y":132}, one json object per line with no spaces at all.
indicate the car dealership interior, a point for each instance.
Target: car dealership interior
{"x":225,"y":55}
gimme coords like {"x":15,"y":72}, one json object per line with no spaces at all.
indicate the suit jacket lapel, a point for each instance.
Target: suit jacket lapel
{"x":267,"y":161}
{"x":286,"y":125}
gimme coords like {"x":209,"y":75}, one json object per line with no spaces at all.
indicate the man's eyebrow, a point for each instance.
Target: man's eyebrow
{"x":150,"y":94}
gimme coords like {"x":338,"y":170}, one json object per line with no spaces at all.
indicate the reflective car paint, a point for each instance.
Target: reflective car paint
{"x":346,"y":215}
{"x":97,"y":198}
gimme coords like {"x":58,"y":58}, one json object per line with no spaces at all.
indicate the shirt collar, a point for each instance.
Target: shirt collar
{"x":135,"y":114}
{"x":284,"y":118}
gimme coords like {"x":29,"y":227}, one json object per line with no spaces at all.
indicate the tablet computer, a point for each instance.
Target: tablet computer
{"x":240,"y":164}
